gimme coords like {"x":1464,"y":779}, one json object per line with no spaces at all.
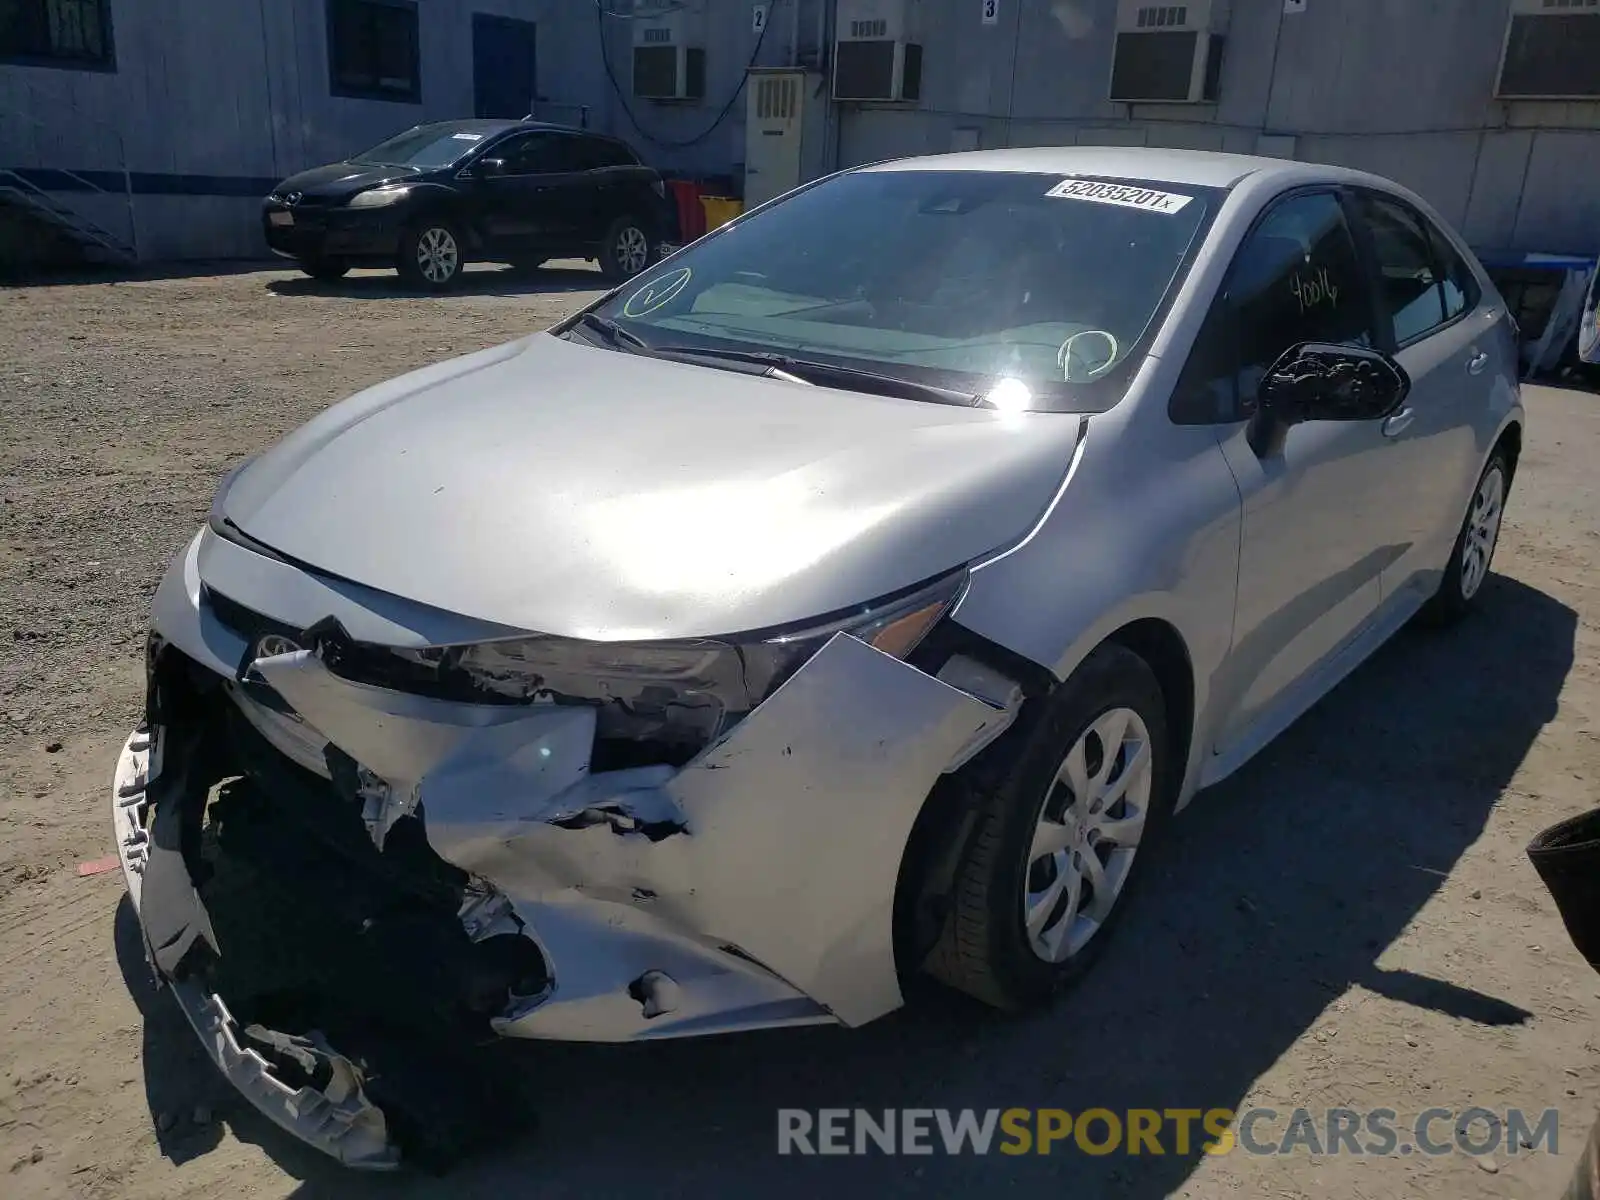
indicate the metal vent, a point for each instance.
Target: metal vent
{"x":869,"y":29}
{"x":1153,"y":66}
{"x":864,"y":71}
{"x":655,"y":71}
{"x":1553,"y":55}
{"x":775,"y":98}
{"x":1163,"y":16}
{"x":658,"y":37}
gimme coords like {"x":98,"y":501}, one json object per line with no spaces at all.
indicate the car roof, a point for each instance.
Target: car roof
{"x":490,"y":126}
{"x":1199,"y":168}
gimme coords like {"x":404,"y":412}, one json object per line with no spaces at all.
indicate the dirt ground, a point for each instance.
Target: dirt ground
{"x":1349,"y":921}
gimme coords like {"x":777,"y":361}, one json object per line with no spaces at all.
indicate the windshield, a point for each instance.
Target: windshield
{"x":959,"y":278}
{"x":424,"y":146}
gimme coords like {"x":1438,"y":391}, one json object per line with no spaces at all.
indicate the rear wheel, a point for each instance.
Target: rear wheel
{"x":431,"y":254}
{"x":326,"y":269}
{"x":626,"y":250}
{"x":1060,"y":837}
{"x":1468,"y":568}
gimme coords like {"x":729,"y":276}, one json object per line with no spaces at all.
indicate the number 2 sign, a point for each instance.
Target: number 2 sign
{"x":758,"y":18}
{"x":991,"y":12}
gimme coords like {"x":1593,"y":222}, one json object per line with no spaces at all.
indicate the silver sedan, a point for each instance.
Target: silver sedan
{"x":856,"y":593}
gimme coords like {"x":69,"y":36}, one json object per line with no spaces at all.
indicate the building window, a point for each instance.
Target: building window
{"x":57,"y":33}
{"x":372,"y":49}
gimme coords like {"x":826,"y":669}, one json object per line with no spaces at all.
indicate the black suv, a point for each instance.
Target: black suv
{"x":439,"y":195}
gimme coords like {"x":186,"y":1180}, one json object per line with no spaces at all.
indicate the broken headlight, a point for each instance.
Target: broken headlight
{"x":673,"y":696}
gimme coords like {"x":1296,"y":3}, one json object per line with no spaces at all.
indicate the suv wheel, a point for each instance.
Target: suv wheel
{"x":326,"y":269}
{"x":431,"y":255}
{"x":1061,"y":836}
{"x":625,"y":251}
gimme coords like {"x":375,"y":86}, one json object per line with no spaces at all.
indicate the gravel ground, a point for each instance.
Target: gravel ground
{"x":1349,"y":921}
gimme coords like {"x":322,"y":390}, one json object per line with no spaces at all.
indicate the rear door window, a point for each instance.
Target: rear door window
{"x":598,"y":153}
{"x":1408,"y":273}
{"x":1461,"y":290}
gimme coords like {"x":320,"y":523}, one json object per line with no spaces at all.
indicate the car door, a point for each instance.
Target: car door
{"x":1313,"y":537}
{"x":1443,"y":336}
{"x":532,"y":201}
{"x":606,"y":185}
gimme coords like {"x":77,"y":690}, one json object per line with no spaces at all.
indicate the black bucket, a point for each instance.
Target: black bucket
{"x":1567,"y":857}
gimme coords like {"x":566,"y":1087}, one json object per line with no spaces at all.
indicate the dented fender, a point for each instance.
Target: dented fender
{"x":793,"y":827}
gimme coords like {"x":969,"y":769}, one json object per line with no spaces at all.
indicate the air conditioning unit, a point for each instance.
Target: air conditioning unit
{"x":1166,"y":53}
{"x":669,"y":50}
{"x":877,"y":50}
{"x":1552,"y":51}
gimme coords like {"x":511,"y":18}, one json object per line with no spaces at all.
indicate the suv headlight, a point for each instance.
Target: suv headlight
{"x":678,"y":695}
{"x":379,"y":197}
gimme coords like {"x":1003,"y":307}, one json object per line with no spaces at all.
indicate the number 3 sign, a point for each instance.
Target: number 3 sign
{"x":991,"y":12}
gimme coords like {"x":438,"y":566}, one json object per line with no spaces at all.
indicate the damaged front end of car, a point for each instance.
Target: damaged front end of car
{"x":356,"y":864}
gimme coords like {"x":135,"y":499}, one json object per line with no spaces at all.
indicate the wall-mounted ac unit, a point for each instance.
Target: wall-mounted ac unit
{"x":1552,"y":51}
{"x":877,"y":50}
{"x":1166,"y":53}
{"x":669,"y":51}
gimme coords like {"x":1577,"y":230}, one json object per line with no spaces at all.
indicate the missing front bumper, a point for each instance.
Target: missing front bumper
{"x":752,"y":888}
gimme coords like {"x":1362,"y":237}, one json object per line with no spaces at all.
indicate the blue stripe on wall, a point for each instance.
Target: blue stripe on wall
{"x":147,"y":183}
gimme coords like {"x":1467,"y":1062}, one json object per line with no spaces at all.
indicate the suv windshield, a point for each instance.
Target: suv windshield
{"x":425,"y":146}
{"x":956,"y":278}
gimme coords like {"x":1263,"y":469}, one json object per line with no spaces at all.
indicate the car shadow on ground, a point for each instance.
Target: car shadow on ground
{"x":485,"y":279}
{"x":76,"y":274}
{"x":1277,"y":892}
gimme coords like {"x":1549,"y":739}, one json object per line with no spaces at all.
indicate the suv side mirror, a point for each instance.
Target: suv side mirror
{"x":1316,"y":381}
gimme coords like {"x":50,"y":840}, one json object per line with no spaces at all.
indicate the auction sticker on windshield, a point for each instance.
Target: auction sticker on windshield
{"x":1121,"y":194}
{"x":656,"y":293}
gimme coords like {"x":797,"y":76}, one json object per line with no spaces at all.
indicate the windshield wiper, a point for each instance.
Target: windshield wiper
{"x":827,"y":374}
{"x":613,"y":333}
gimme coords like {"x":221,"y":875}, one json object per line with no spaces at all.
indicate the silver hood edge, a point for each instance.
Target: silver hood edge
{"x":552,"y":486}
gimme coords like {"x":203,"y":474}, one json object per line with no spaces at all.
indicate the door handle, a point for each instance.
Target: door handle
{"x":1477,"y":362}
{"x":1396,"y":424}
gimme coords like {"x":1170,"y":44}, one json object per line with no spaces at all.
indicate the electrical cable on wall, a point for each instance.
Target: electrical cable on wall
{"x":601,"y":12}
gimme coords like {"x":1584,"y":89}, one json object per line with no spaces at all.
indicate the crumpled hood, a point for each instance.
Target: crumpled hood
{"x":343,"y":179}
{"x":572,"y":490}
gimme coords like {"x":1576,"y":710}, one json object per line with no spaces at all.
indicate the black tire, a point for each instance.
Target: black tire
{"x":984,"y":949}
{"x":619,"y":249}
{"x":427,"y":232}
{"x":1457,"y":594}
{"x":325,"y":269}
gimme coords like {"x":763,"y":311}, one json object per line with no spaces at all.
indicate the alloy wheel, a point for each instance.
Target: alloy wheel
{"x":1087,"y":834}
{"x":1483,"y":530}
{"x":633,"y":250}
{"x":438,"y":256}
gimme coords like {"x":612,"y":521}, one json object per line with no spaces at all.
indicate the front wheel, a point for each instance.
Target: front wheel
{"x":1468,"y":567}
{"x":1060,"y":837}
{"x":325,"y":269}
{"x":431,"y":255}
{"x":625,"y":251}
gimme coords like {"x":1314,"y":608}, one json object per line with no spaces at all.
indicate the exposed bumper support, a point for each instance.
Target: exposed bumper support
{"x":337,"y":1119}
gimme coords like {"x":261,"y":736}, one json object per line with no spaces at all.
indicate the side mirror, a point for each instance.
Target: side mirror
{"x":1316,"y":381}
